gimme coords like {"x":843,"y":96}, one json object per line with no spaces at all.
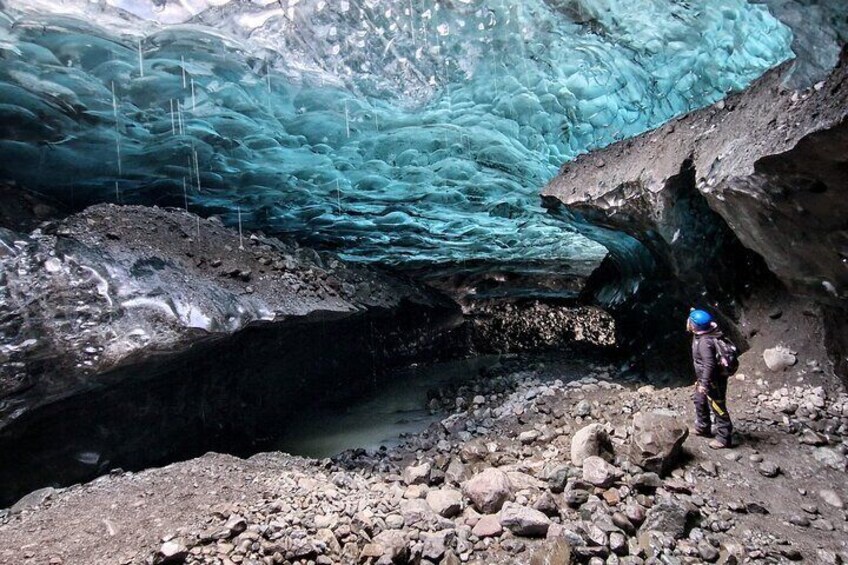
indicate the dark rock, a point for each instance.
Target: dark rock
{"x":547,"y":505}
{"x":646,"y":482}
{"x":667,"y":517}
{"x":558,"y":479}
{"x":656,"y":441}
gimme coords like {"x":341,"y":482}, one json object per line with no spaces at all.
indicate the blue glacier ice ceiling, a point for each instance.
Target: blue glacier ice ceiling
{"x":396,"y":131}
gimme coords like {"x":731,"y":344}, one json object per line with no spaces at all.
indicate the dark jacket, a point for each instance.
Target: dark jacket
{"x":704,"y":356}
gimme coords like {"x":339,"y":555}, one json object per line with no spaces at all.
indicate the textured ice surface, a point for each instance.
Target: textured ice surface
{"x":398,"y":131}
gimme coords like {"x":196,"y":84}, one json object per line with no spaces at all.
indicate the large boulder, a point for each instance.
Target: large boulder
{"x":657,"y":441}
{"x":488,"y":490}
{"x":779,"y":358}
{"x":387,"y":547}
{"x":524,"y":521}
{"x":591,"y":440}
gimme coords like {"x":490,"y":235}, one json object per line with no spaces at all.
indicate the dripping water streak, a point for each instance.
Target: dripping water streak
{"x":182,"y":65}
{"x":241,"y":236}
{"x":180,"y":117}
{"x":412,"y":24}
{"x":196,"y":168}
{"x":140,"y":60}
{"x":347,"y":119}
{"x":173,"y":121}
{"x":339,"y":197}
{"x":193,"y":99}
{"x":117,"y":131}
{"x":185,"y":194}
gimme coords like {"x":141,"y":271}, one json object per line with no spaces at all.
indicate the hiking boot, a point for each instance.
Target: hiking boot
{"x":718,"y":444}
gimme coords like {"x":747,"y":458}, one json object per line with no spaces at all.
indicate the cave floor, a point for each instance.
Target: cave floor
{"x":124,"y":517}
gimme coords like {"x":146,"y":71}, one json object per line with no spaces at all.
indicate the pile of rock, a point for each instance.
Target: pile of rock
{"x":526,"y":471}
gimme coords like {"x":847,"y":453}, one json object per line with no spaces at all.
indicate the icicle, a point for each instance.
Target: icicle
{"x":117,"y":193}
{"x":193,"y":99}
{"x":197,"y":223}
{"x":241,"y":237}
{"x":140,"y":59}
{"x":173,"y":120}
{"x":182,"y":64}
{"x":185,"y":194}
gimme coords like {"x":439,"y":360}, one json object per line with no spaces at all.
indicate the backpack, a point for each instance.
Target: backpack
{"x":727,"y":356}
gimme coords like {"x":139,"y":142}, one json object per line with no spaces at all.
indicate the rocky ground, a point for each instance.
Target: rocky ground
{"x":502,"y":326}
{"x":532,"y":463}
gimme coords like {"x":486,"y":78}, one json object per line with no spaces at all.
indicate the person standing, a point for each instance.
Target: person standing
{"x":709,"y":353}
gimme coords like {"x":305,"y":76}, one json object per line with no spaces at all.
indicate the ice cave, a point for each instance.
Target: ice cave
{"x":420,"y":281}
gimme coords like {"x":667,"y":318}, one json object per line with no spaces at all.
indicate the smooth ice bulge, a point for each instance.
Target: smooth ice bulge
{"x":401,"y":132}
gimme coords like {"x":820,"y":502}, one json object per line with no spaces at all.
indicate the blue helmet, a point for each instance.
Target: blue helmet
{"x":700,"y":319}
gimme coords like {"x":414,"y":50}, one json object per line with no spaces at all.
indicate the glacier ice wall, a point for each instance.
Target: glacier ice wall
{"x":403,"y":132}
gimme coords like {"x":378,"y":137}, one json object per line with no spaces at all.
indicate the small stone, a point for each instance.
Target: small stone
{"x":666,"y":517}
{"x":707,"y":552}
{"x":769,"y":469}
{"x":528,"y":437}
{"x":488,"y":526}
{"x":547,"y":505}
{"x":556,"y":552}
{"x":830,"y":497}
{"x":623,"y":522}
{"x":417,"y":474}
{"x":445,"y":502}
{"x":524,"y":521}
{"x":434,"y":545}
{"x":799,"y":520}
{"x":598,"y":472}
{"x":823,"y":525}
{"x":173,"y":551}
{"x":791,"y":553}
{"x":583,"y":409}
{"x":394,"y":521}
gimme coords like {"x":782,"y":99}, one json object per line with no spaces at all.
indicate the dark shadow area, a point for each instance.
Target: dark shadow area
{"x":662,"y":264}
{"x":234,"y":395}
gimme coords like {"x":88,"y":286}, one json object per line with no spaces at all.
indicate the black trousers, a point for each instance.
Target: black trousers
{"x":715,"y":402}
